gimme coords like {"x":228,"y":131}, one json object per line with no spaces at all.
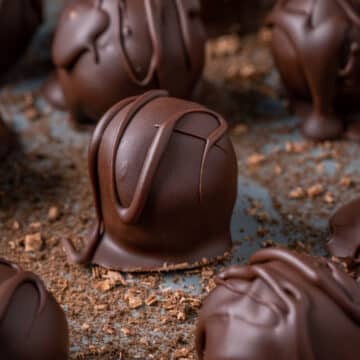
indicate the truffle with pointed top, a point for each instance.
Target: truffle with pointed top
{"x":107,"y":50}
{"x":281,"y":306}
{"x":32,"y":324}
{"x":164,"y":178}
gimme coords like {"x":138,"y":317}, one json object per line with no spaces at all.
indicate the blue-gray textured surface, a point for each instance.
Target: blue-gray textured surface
{"x":264,"y":212}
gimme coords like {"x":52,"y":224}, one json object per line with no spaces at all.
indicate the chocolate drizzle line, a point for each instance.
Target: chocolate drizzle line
{"x":157,"y":149}
{"x":355,"y":47}
{"x":297,"y":290}
{"x":349,"y":12}
{"x":184,"y":16}
{"x":104,"y":24}
{"x":92,"y":160}
{"x":329,"y":37}
{"x":9,"y":287}
{"x":322,"y":276}
{"x":286,"y":292}
{"x":131,"y":214}
{"x":153,"y":20}
{"x":154,"y":9}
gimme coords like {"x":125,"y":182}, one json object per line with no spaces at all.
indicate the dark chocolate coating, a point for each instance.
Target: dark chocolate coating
{"x":229,"y":16}
{"x":281,"y":306}
{"x":19,"y":20}
{"x":6,"y":139}
{"x":164,"y":177}
{"x":345,"y":233}
{"x":316,"y":46}
{"x":32,"y":324}
{"x":107,"y":50}
{"x":53,"y":93}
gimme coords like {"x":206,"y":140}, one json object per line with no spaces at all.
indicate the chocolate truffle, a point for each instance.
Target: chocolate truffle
{"x":19,"y":21}
{"x":6,"y":139}
{"x":32,"y":324}
{"x":345,"y":233}
{"x":229,"y":16}
{"x":164,"y":177}
{"x":316,"y":46}
{"x":281,"y":306}
{"x":107,"y":50}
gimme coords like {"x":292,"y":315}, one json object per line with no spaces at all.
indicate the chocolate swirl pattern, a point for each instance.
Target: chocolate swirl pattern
{"x":319,"y":63}
{"x":32,"y":324}
{"x":133,"y":197}
{"x":281,"y":306}
{"x":125,"y":48}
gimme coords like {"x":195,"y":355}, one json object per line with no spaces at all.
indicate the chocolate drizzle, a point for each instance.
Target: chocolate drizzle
{"x":118,"y":23}
{"x":153,"y":19}
{"x":93,"y":22}
{"x":322,"y":276}
{"x":154,"y":15}
{"x":314,"y":64}
{"x":188,"y":11}
{"x":156,"y":140}
{"x":349,"y":11}
{"x":290,"y":277}
{"x":131,"y":214}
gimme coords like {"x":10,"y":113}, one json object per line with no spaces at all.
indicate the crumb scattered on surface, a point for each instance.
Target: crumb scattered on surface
{"x":45,"y":196}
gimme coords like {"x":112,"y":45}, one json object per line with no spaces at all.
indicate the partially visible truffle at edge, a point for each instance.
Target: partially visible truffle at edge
{"x":281,"y":306}
{"x":316,"y":47}
{"x":32,"y":324}
{"x":107,"y":50}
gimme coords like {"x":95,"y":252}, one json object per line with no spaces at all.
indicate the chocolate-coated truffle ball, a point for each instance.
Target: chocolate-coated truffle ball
{"x":316,"y":46}
{"x":107,"y":50}
{"x":32,"y":324}
{"x":281,"y":306}
{"x":345,"y":233}
{"x":228,"y":16}
{"x":19,"y":20}
{"x":164,"y":177}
